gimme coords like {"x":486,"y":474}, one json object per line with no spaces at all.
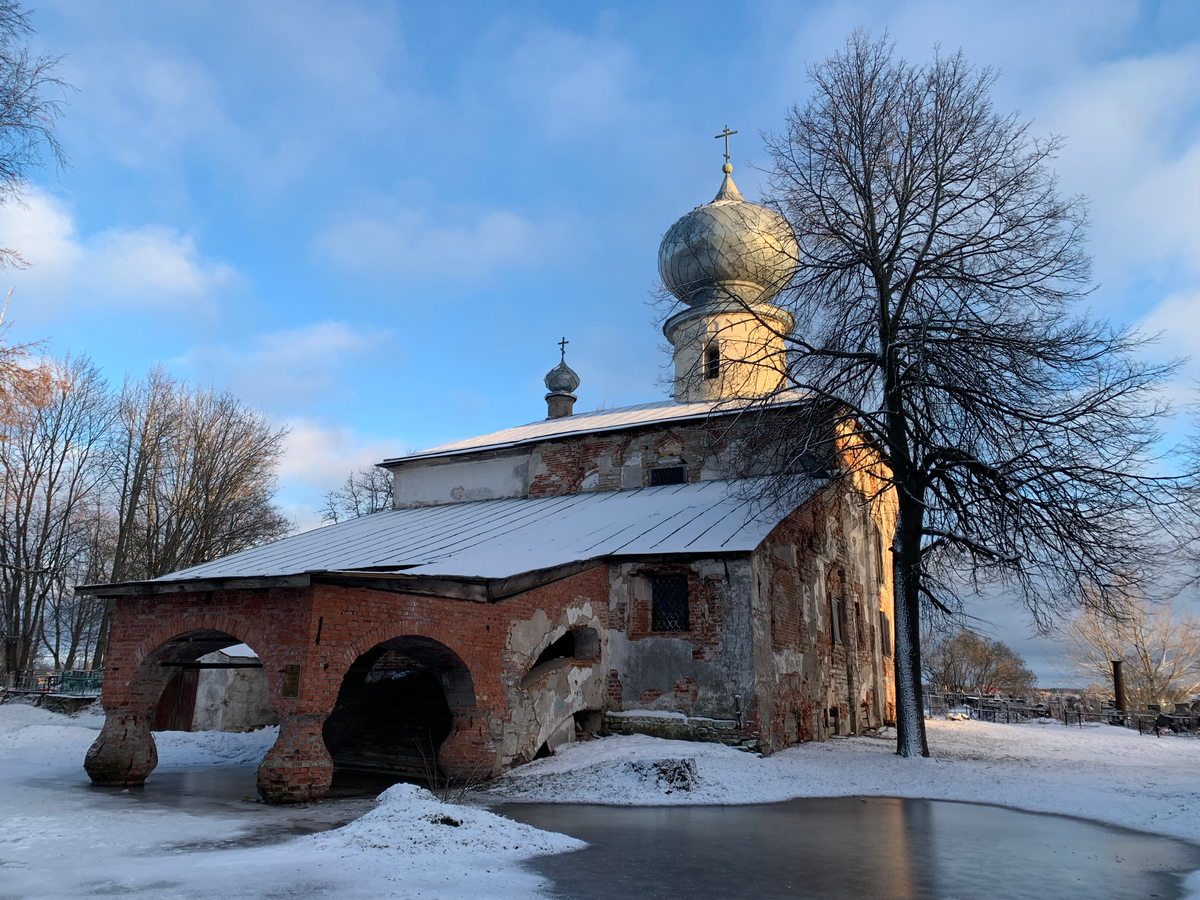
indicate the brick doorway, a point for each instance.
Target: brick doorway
{"x":394,"y":710}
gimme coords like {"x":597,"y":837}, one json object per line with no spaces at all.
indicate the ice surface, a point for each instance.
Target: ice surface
{"x":62,"y":839}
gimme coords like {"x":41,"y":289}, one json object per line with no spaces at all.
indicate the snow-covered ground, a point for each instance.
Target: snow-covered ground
{"x":60,"y":839}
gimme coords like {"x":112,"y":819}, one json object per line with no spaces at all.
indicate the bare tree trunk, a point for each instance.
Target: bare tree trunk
{"x":910,"y":717}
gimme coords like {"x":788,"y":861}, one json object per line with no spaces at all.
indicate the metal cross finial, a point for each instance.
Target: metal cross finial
{"x":562,"y":345}
{"x":725,"y":134}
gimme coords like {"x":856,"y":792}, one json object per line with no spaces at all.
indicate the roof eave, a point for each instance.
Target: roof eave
{"x":451,"y":587}
{"x":709,"y":413}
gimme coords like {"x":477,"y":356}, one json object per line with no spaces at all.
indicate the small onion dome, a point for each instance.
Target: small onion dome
{"x":562,"y":379}
{"x":728,"y":250}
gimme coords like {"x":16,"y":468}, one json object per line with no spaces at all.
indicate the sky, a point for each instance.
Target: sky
{"x":374,"y":221}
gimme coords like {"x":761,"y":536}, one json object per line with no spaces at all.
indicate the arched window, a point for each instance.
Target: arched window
{"x":712,"y":361}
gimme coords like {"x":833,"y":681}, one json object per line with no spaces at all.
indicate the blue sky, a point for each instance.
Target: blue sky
{"x":374,"y":220}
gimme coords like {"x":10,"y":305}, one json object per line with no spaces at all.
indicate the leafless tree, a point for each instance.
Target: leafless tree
{"x":27,"y":114}
{"x":936,"y":300}
{"x":1159,"y":649}
{"x":965,"y":661}
{"x":367,"y":492}
{"x":192,"y":478}
{"x":47,"y":453}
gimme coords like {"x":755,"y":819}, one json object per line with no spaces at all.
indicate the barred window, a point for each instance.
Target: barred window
{"x":669,"y":603}
{"x":885,"y":633}
{"x":668,"y":475}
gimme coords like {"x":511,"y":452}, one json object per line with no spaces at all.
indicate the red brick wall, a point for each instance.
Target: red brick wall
{"x":282,"y":625}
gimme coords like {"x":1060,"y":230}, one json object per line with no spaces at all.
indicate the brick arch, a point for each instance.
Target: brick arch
{"x":239,"y":628}
{"x":389,"y":630}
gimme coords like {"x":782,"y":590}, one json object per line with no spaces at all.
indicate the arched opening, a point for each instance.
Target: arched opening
{"x":712,"y":361}
{"x":211,"y":681}
{"x":394,"y":710}
{"x":577,"y":645}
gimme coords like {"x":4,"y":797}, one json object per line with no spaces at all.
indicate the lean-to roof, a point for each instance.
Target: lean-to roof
{"x":502,"y":539}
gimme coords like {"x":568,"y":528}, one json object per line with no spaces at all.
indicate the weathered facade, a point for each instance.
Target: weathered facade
{"x":605,"y":571}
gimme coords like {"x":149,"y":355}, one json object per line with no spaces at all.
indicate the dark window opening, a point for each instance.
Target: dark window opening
{"x":879,"y":558}
{"x":885,"y":633}
{"x":668,"y":475}
{"x":589,"y":722}
{"x":563,"y":648}
{"x":712,"y":361}
{"x":837,"y":619}
{"x":669,"y":603}
{"x":581,"y":643}
{"x":860,"y":624}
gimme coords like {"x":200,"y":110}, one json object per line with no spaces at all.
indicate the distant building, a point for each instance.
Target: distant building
{"x":600,"y":571}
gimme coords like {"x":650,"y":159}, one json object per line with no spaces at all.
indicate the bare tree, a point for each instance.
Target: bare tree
{"x":47,"y":453}
{"x":935,"y":299}
{"x":192,"y":479}
{"x":367,"y":492}
{"x":27,"y":115}
{"x":965,"y":661}
{"x":1159,"y":649}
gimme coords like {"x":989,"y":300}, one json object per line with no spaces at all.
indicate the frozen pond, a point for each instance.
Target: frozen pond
{"x":860,"y":848}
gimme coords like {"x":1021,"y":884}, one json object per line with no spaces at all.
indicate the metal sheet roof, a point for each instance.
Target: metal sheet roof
{"x":591,"y":422}
{"x":504,"y":538}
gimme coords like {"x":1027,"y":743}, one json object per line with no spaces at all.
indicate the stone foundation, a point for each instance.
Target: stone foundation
{"x":677,"y":728}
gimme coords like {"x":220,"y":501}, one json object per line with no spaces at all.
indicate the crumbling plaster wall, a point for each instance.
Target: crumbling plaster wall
{"x":622,"y":461}
{"x":695,"y":673}
{"x":542,"y":704}
{"x":827,"y":548}
{"x":487,"y":477}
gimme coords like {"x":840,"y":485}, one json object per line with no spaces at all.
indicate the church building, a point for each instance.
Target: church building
{"x":615,"y":571}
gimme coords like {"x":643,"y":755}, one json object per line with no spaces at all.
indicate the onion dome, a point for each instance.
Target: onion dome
{"x":561,"y":382}
{"x":562,"y":379}
{"x":728,"y":250}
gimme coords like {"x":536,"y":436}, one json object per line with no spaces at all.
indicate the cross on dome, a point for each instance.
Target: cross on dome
{"x":727,"y":168}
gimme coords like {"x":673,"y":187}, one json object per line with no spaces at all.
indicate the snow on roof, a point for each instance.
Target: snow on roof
{"x":591,"y":422}
{"x":503,"y":538}
{"x":240,"y":651}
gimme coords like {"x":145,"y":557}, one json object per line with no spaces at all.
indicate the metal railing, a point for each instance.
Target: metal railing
{"x":66,"y":682}
{"x":1080,"y":712}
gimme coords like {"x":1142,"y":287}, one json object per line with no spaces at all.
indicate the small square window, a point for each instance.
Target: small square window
{"x":668,"y":475}
{"x":669,"y":603}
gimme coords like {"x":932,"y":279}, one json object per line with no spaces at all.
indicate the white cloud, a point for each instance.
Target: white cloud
{"x":263,"y":95}
{"x":318,"y":458}
{"x":414,"y":245}
{"x":288,"y":370}
{"x":1133,"y":146}
{"x":150,"y":267}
